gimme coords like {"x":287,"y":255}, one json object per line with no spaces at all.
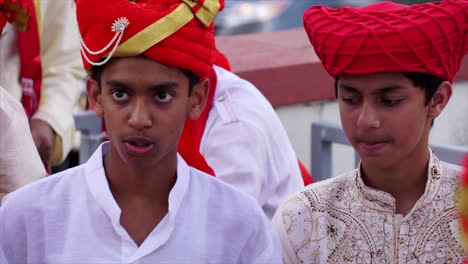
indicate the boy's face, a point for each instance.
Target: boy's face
{"x":384,"y":116}
{"x":145,"y":105}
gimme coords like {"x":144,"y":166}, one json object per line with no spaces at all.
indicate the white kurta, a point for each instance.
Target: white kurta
{"x":20,"y":163}
{"x":341,"y":220}
{"x":63,"y":74}
{"x":72,"y":217}
{"x":2,"y":257}
{"x":246,"y":144}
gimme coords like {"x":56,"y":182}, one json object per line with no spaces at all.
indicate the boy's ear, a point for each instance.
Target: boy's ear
{"x":198,"y":99}
{"x":94,"y":96}
{"x":440,"y":99}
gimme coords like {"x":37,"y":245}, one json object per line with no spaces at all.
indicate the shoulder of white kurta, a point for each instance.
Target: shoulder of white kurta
{"x":241,"y":112}
{"x":232,"y":205}
{"x":45,"y":193}
{"x":237,"y":100}
{"x":10,"y":108}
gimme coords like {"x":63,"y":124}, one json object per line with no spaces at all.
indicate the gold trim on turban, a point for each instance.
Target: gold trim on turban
{"x":167,"y":26}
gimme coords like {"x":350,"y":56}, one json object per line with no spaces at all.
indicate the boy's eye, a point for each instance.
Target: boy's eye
{"x":391,"y":102}
{"x":119,"y":95}
{"x":163,"y":97}
{"x":349,"y":99}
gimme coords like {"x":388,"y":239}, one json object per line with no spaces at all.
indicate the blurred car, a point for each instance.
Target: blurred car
{"x":242,"y":17}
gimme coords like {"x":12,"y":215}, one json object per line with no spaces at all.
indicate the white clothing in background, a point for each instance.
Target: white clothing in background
{"x":20,"y":163}
{"x":246,"y":144}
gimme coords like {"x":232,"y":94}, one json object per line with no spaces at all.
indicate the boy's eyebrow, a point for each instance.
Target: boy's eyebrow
{"x":391,"y":88}
{"x":164,"y":86}
{"x":117,"y":84}
{"x":348,"y":88}
{"x":386,"y":89}
{"x":159,"y":86}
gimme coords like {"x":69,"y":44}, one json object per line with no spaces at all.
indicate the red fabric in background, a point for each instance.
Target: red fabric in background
{"x":465,"y":173}
{"x":189,"y":144}
{"x":306,"y":177}
{"x":3,"y":20}
{"x":31,"y":66}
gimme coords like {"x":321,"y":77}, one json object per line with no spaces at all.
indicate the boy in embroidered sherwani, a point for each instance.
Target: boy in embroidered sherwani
{"x":136,"y":200}
{"x":394,"y":65}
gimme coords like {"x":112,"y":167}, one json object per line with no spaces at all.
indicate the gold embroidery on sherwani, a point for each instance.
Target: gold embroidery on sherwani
{"x":343,"y":221}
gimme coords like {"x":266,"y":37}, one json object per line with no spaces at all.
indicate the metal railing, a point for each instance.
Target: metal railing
{"x":90,"y":126}
{"x":324,"y":134}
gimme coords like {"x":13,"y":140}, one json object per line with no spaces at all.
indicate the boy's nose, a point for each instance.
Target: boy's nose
{"x":368,"y":117}
{"x":140,"y":117}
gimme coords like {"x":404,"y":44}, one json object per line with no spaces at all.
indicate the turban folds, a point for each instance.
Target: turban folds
{"x":388,"y":37}
{"x":176,"y":33}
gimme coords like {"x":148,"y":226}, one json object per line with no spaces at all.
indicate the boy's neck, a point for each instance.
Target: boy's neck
{"x":141,"y":192}
{"x":142,"y":182}
{"x":406,"y":181}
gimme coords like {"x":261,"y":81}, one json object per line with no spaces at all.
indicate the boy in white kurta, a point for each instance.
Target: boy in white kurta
{"x":136,"y":200}
{"x":393,"y":65}
{"x":73,"y":217}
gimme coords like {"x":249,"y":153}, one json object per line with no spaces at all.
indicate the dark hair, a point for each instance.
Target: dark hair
{"x":96,"y":74}
{"x":429,"y":83}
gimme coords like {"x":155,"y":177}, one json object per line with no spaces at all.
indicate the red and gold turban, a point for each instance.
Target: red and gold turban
{"x":176,"y":33}
{"x":388,"y":37}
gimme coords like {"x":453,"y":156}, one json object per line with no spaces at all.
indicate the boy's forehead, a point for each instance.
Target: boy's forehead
{"x":139,"y":65}
{"x":374,"y":82}
{"x":141,"y":73}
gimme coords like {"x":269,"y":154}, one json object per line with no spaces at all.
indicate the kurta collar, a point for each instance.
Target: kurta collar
{"x":382,"y":201}
{"x":100,"y":190}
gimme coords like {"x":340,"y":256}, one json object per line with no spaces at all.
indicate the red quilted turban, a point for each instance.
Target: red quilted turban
{"x":388,"y":37}
{"x":176,"y":33}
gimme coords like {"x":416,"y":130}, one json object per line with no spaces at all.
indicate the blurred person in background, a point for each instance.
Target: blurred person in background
{"x":20,"y":163}
{"x":41,"y":67}
{"x":244,"y":142}
{"x":394,"y":66}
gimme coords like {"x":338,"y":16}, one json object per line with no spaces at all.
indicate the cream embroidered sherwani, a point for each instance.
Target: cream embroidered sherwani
{"x":341,"y":220}
{"x":62,"y":69}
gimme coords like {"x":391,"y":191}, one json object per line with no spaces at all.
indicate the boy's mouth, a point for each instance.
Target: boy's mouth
{"x":138,"y":145}
{"x":371,"y":146}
